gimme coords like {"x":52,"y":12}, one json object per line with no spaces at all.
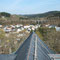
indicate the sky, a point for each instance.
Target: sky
{"x":29,"y":6}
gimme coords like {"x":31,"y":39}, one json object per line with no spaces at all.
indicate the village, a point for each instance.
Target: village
{"x":27,"y":28}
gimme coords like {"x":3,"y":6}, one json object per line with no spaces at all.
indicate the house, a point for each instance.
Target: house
{"x":52,"y":26}
{"x":57,"y":28}
{"x":7,"y":30}
{"x":47,"y":25}
{"x":26,"y":27}
{"x":1,"y":26}
{"x":19,"y":30}
{"x":29,"y":29}
{"x":19,"y":25}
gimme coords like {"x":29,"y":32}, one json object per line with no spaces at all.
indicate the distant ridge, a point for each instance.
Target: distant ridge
{"x":7,"y":18}
{"x":50,"y":13}
{"x":46,"y":14}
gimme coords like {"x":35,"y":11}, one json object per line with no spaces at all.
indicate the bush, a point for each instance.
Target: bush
{"x":2,"y":34}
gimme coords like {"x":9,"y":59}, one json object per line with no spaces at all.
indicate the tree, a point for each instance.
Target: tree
{"x":2,"y":34}
{"x":59,"y":25}
{"x":5,"y":14}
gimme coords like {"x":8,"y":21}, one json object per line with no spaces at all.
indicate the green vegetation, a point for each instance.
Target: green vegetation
{"x":47,"y":14}
{"x":7,"y":18}
{"x":39,"y":34}
{"x":50,"y":37}
{"x":10,"y":42}
{"x":2,"y":34}
{"x":5,"y":14}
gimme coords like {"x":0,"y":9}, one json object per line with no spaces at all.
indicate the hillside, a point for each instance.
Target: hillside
{"x":42,"y":15}
{"x":5,"y":14}
{"x":12,"y":19}
{"x":47,"y":14}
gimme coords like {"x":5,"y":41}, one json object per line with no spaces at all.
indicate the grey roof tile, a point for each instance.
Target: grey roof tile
{"x":27,"y":50}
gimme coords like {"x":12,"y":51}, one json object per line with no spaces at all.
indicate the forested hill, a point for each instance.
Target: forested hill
{"x":5,"y":14}
{"x":9,"y":18}
{"x":47,"y":14}
{"x":50,"y":13}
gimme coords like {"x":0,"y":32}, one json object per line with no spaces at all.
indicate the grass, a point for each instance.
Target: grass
{"x":39,"y":34}
{"x":49,"y":37}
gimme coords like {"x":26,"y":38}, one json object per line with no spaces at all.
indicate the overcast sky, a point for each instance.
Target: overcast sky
{"x":29,"y":6}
